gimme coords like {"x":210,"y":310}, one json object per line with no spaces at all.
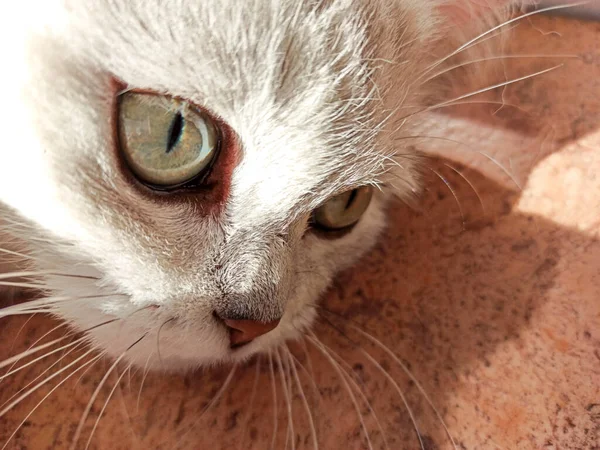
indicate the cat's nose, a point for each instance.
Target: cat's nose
{"x":242,"y":331}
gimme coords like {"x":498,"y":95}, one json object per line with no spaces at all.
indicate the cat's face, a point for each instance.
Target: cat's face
{"x":293,"y":92}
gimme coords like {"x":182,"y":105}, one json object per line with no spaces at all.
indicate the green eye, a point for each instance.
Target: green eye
{"x":166,"y":142}
{"x":344,"y":210}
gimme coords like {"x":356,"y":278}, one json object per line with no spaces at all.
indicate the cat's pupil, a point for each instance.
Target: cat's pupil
{"x":175,"y":131}
{"x":351,"y":198}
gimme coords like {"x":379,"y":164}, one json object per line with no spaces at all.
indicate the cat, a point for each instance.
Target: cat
{"x":198,"y":171}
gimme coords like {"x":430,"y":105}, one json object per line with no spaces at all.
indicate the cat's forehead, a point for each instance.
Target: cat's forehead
{"x":290,"y":78}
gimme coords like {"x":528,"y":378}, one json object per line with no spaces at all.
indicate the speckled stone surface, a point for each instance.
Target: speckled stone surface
{"x":489,"y":295}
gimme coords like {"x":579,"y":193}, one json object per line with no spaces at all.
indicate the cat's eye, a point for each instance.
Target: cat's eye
{"x":166,"y":142}
{"x":343,"y":210}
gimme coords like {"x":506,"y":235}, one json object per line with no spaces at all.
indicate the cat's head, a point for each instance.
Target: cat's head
{"x":202,"y":167}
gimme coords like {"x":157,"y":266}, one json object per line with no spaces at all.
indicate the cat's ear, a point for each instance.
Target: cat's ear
{"x":462,"y":12}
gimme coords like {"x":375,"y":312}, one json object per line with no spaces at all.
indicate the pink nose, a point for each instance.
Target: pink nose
{"x":243,"y":331}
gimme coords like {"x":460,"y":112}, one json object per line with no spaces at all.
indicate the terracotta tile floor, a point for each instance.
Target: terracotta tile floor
{"x":499,"y":320}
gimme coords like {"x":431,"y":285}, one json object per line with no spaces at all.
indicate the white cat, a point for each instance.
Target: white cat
{"x":196,"y":172}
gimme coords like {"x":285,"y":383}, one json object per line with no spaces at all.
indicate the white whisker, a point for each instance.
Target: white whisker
{"x":495,"y":58}
{"x":42,"y":374}
{"x":313,"y":430}
{"x":348,"y":371}
{"x":447,"y":183}
{"x":274,"y":394}
{"x":410,"y":375}
{"x":336,"y":367}
{"x":497,"y":27}
{"x":36,"y":341}
{"x":400,"y":393}
{"x":208,"y":407}
{"x":29,"y":273}
{"x":90,"y":367}
{"x":110,"y":394}
{"x":470,"y":184}
{"x":287,"y":395}
{"x":48,"y":395}
{"x":455,"y":101}
{"x":492,"y":87}
{"x":42,"y":305}
{"x":39,"y":358}
{"x":15,"y":359}
{"x":145,"y":374}
{"x":311,"y":378}
{"x":14,"y":253}
{"x":22,"y":284}
{"x":470,"y":147}
{"x":97,"y":391}
{"x":26,"y":312}
{"x":158,"y":341}
{"x":252,"y":398}
{"x":37,"y":386}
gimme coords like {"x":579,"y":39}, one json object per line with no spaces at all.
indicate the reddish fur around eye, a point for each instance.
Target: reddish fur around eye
{"x":212,"y":195}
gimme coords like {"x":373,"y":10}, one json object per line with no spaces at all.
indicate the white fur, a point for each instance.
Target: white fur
{"x":314,"y":91}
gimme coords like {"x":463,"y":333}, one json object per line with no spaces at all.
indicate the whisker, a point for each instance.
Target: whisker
{"x":78,"y":343}
{"x":212,"y":402}
{"x":470,"y":147}
{"x":406,"y":405}
{"x":494,"y":86}
{"x":410,"y":375}
{"x":495,"y":58}
{"x":36,"y":273}
{"x":90,"y":367}
{"x":397,"y":360}
{"x":44,"y":372}
{"x":287,"y":395}
{"x":389,"y":377}
{"x":110,"y":394}
{"x":30,"y":351}
{"x":497,"y":27}
{"x":311,"y":377}
{"x":252,"y":398}
{"x":97,"y":391}
{"x":39,"y":358}
{"x":313,"y":430}
{"x":336,"y":367}
{"x":158,"y":341}
{"x":37,"y":386}
{"x":14,"y":253}
{"x":449,"y":186}
{"x":15,"y":359}
{"x":145,"y":374}
{"x":21,"y":284}
{"x":470,"y":184}
{"x":48,"y":395}
{"x":29,"y":273}
{"x":129,"y":377}
{"x":25,"y":312}
{"x":451,"y":102}
{"x":274,"y":394}
{"x":35,"y":343}
{"x":348,"y":372}
{"x":34,"y":306}
{"x":126,"y":411}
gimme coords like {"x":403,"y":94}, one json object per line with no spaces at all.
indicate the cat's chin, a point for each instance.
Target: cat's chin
{"x":165,"y":338}
{"x":171,"y":350}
